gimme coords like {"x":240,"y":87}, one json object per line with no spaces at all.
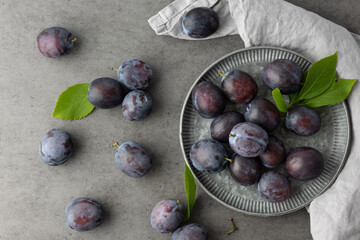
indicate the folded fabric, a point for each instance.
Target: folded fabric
{"x":336,"y":213}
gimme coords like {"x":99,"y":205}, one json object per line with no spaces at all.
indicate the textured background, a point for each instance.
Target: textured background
{"x":33,"y":195}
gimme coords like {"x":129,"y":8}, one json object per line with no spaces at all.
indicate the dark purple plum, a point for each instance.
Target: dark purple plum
{"x":274,"y":154}
{"x":264,"y":113}
{"x":221,"y":125}
{"x":137,"y":105}
{"x":192,"y":231}
{"x":274,"y":187}
{"x":208,"y":100}
{"x":133,"y":159}
{"x":55,"y":42}
{"x":304,"y":163}
{"x":248,"y":139}
{"x":135,"y":74}
{"x":283,"y":74}
{"x":105,"y":93}
{"x":166,"y":216}
{"x":84,"y":214}
{"x":245,"y":171}
{"x":303,"y":121}
{"x":56,"y":147}
{"x":239,"y":86}
{"x":208,"y":156}
{"x":200,"y":22}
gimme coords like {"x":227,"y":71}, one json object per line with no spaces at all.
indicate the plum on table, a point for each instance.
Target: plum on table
{"x":166,"y":216}
{"x":56,"y":147}
{"x":200,"y":22}
{"x":137,"y":105}
{"x":84,"y":214}
{"x":105,"y":93}
{"x":192,"y":231}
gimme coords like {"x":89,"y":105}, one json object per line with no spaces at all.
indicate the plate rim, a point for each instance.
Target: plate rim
{"x":341,"y":166}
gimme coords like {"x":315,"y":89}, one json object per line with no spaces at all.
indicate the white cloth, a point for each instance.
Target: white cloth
{"x":336,"y":213}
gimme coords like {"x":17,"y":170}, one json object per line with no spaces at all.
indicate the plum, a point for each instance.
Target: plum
{"x":245,"y":171}
{"x":56,"y":147}
{"x":192,"y":231}
{"x":221,"y":125}
{"x":274,"y":154}
{"x":133,"y":159}
{"x":283,"y":74}
{"x":304,"y":163}
{"x":303,"y":121}
{"x":274,"y":187}
{"x":200,"y":22}
{"x":84,"y":214}
{"x":208,"y":156}
{"x":239,"y":86}
{"x":264,"y":113}
{"x":208,"y":100}
{"x":248,"y":139}
{"x":105,"y":93}
{"x":55,"y":42}
{"x":135,"y":74}
{"x":166,"y":216}
{"x":137,"y":105}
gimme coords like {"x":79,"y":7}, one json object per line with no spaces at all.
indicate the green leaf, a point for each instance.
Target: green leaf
{"x":294,"y":96}
{"x":319,"y":78}
{"x":190,"y":189}
{"x":337,"y":92}
{"x":279,"y":100}
{"x":73,"y":103}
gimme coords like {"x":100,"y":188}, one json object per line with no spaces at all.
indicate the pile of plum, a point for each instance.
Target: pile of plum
{"x":249,"y":134}
{"x":84,"y":214}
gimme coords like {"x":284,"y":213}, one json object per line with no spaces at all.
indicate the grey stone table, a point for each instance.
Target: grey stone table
{"x":33,"y":196}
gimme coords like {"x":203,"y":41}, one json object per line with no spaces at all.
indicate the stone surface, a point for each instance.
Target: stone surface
{"x":34,"y":195}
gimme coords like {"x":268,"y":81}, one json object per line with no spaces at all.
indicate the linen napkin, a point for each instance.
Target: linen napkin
{"x":336,"y":213}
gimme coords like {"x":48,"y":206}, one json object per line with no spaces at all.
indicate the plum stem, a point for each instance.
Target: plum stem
{"x":74,"y":40}
{"x":116,"y":144}
{"x":232,"y":135}
{"x":143,"y":100}
{"x":115,"y":69}
{"x":221,"y":73}
{"x":233,"y":225}
{"x":228,"y":159}
{"x":177,"y":202}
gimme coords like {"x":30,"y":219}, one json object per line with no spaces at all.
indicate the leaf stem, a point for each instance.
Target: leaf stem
{"x":233,"y":225}
{"x":115,"y":69}
{"x":221,"y":73}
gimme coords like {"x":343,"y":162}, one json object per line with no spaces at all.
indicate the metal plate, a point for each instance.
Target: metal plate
{"x":332,"y":140}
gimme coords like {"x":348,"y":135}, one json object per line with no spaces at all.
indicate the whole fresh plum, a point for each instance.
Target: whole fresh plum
{"x":274,"y":154}
{"x":105,"y":93}
{"x":245,"y":171}
{"x":208,"y":100}
{"x":208,"y":156}
{"x":84,"y":214}
{"x":200,"y":22}
{"x":264,"y":113}
{"x":274,"y":187}
{"x":239,"y":86}
{"x":56,"y":147}
{"x":283,"y":74}
{"x":137,"y":105}
{"x":166,"y":216}
{"x":192,"y":231}
{"x":304,"y":163}
{"x":135,"y":74}
{"x":303,"y":121}
{"x":221,"y":125}
{"x":248,"y":139}
{"x":55,"y":42}
{"x":133,"y":159}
